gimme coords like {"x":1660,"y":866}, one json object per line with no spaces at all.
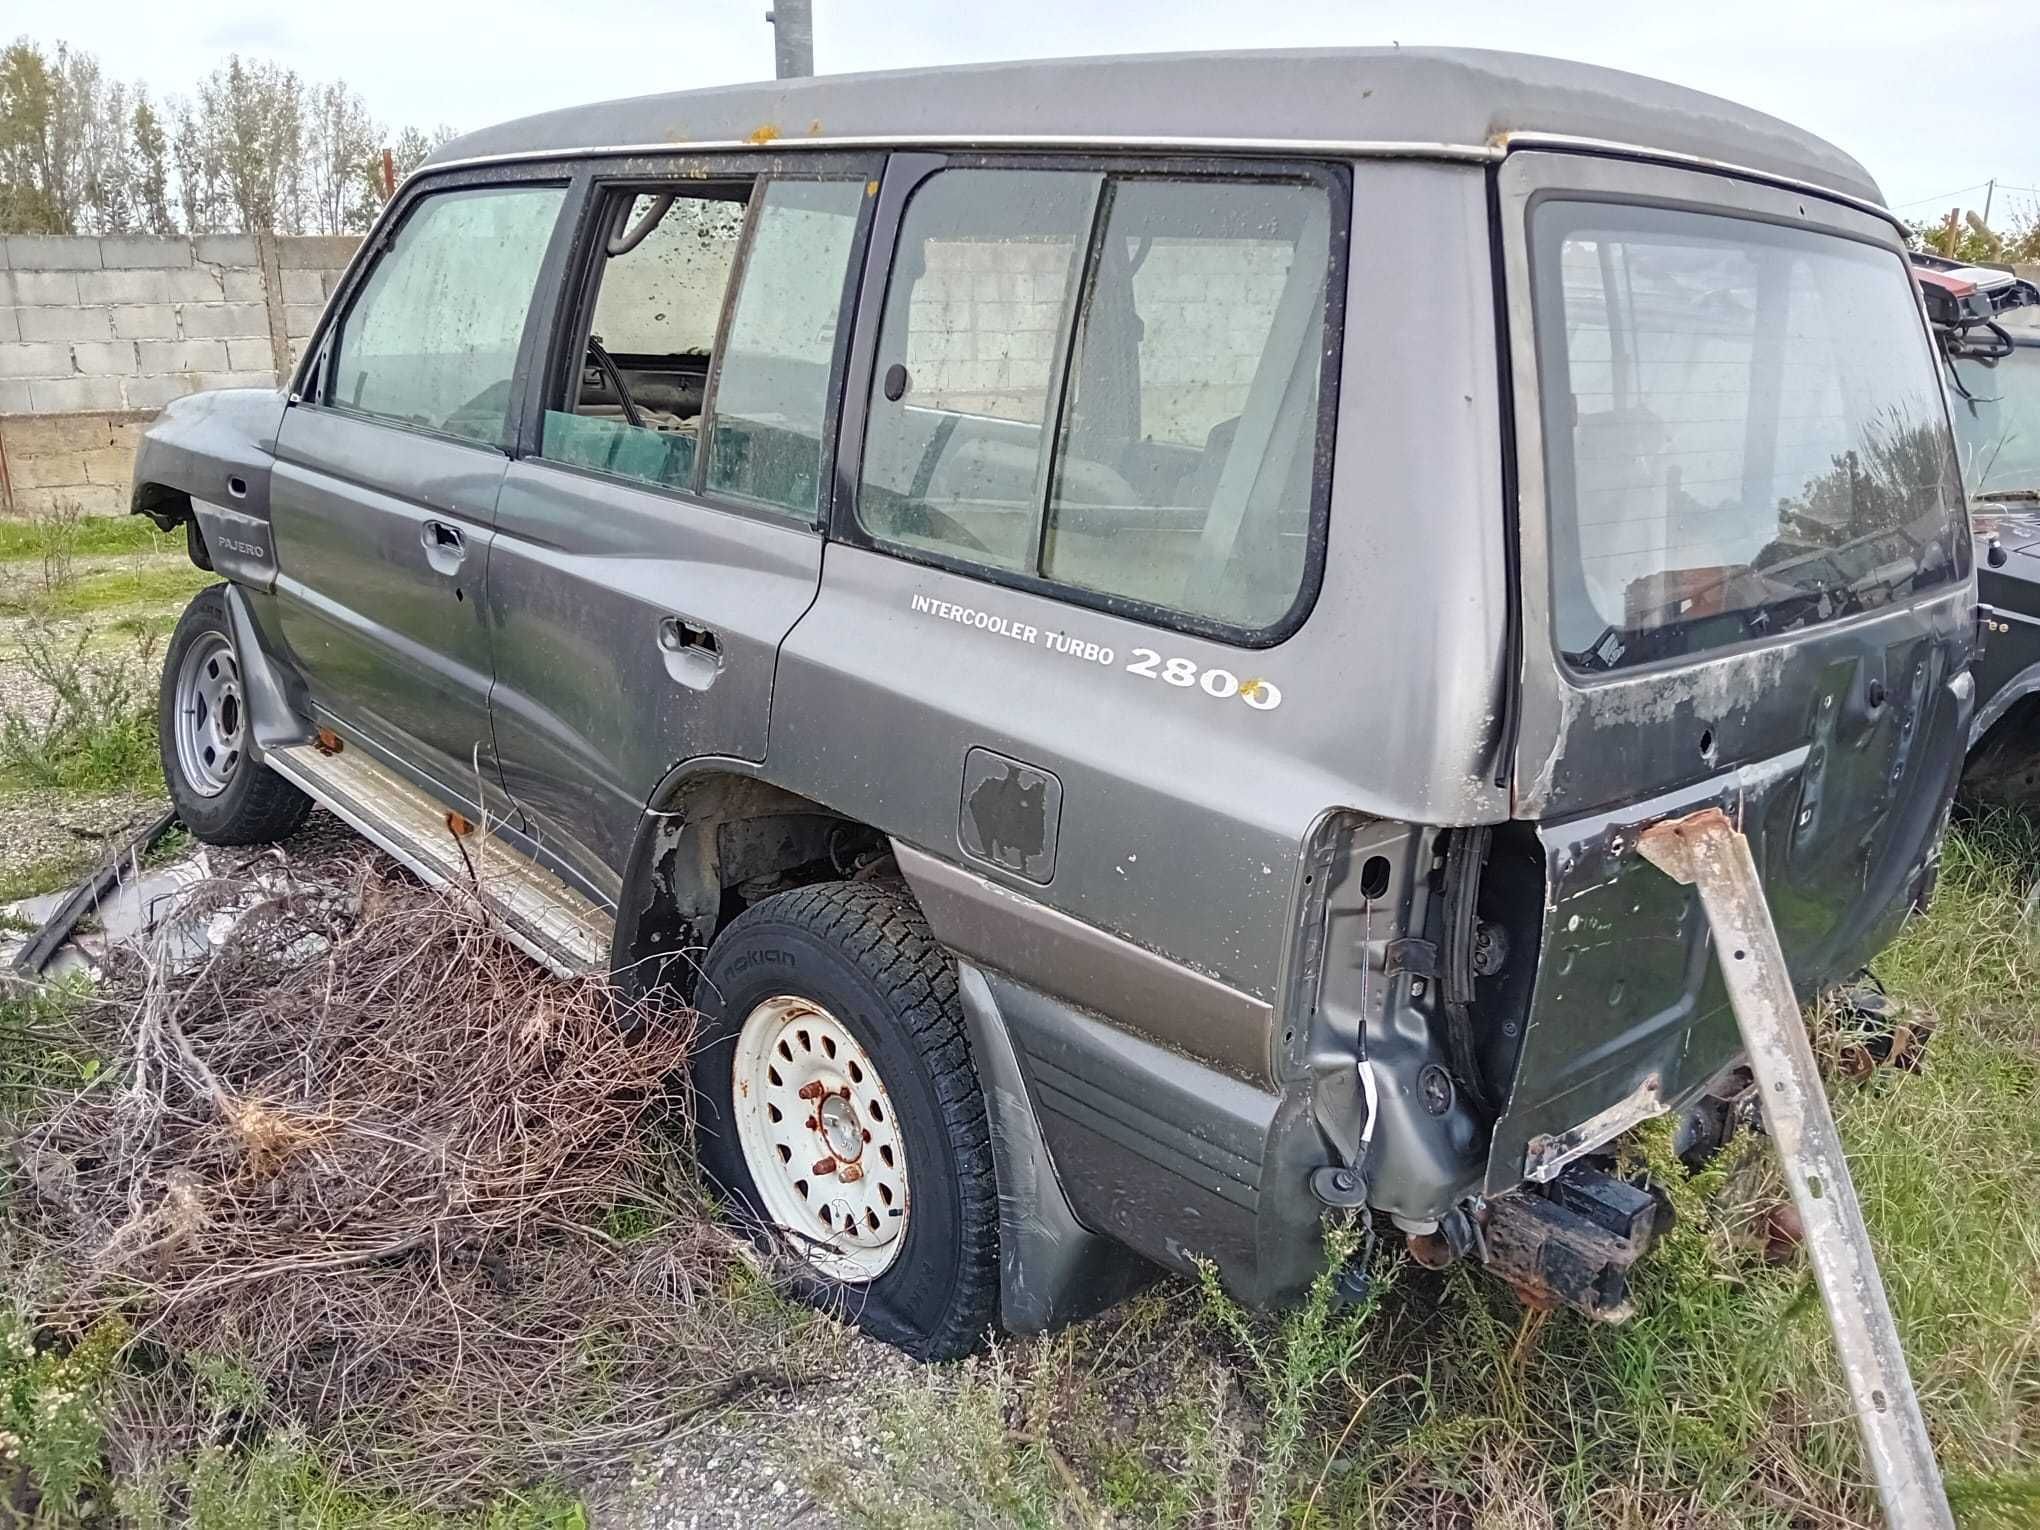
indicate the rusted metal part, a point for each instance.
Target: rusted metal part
{"x":1879,"y":1032}
{"x":459,"y":825}
{"x":1573,"y":1244}
{"x":823,"y":1168}
{"x":30,"y":960}
{"x":1431,"y":1250}
{"x":1547,"y":1154}
{"x":1706,"y":851}
{"x":326,"y":741}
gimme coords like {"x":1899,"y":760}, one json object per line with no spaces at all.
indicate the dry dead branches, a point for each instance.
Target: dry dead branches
{"x":420,"y":1191}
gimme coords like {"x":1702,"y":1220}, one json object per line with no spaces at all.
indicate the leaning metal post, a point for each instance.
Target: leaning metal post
{"x":1707,"y":851}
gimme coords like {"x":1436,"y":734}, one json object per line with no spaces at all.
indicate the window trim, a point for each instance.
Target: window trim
{"x":322,"y":348}
{"x":905,"y":175}
{"x":572,"y":312}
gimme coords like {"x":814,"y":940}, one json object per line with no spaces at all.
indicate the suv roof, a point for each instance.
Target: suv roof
{"x":1451,"y":102}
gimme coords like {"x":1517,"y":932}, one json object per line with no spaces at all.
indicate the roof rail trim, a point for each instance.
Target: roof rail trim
{"x":1357,"y":148}
{"x":1571,"y":143}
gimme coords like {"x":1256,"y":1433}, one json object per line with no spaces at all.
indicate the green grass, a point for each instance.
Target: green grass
{"x":155,"y":582}
{"x":89,"y":536}
{"x":96,"y":730}
{"x":49,"y":873}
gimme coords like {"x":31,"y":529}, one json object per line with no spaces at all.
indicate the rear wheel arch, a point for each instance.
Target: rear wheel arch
{"x":167,"y":509}
{"x":716,"y":837}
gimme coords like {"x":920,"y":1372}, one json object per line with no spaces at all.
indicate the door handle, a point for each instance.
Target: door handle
{"x":692,"y":652}
{"x":444,"y":545}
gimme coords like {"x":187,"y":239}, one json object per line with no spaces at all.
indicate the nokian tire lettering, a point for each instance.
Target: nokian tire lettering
{"x":862,"y":954}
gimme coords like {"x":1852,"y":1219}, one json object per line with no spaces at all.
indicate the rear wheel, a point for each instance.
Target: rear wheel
{"x":222,"y":792}
{"x":839,"y":1109}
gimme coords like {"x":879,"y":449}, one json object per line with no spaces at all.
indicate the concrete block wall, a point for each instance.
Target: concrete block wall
{"x":97,"y":334}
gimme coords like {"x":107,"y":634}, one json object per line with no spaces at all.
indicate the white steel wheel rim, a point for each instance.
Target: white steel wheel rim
{"x":212,"y":717}
{"x":820,"y":1137}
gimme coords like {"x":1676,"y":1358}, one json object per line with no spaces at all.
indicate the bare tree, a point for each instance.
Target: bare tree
{"x":150,"y":155}
{"x":341,"y":139}
{"x":254,"y":148}
{"x":108,"y":203}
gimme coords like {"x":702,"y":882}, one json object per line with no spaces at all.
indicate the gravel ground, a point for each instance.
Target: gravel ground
{"x":53,"y":829}
{"x":753,"y":1465}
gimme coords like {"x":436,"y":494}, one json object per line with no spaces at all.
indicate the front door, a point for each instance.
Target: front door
{"x":387,"y":472}
{"x":657,"y":540}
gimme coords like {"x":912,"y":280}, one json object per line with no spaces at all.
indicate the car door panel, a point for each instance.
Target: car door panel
{"x":388,"y":464}
{"x":639,"y":593}
{"x":633,"y":630}
{"x":386,"y":639}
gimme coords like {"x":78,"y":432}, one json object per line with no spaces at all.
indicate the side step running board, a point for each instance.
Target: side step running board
{"x":542,"y":915}
{"x":1708,"y":852}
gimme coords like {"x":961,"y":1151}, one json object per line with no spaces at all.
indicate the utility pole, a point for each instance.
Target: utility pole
{"x":1989,"y":192}
{"x":793,"y":38}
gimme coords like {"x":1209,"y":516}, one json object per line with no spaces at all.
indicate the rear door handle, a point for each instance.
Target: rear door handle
{"x":692,"y":652}
{"x":444,"y":545}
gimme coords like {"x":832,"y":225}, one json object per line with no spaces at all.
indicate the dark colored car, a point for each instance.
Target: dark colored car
{"x":1988,"y":322}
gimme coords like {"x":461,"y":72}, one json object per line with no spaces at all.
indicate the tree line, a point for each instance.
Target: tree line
{"x":252,"y":148}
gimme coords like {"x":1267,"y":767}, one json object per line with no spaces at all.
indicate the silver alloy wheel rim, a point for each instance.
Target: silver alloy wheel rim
{"x":211,"y":721}
{"x":821,"y":1139}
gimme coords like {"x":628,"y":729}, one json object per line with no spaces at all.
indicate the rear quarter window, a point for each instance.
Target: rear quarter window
{"x":1744,"y":431}
{"x":1109,"y":385}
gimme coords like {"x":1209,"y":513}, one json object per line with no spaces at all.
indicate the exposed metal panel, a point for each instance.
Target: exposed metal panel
{"x":1183,"y":815}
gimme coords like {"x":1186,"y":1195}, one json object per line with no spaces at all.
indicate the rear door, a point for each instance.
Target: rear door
{"x":387,"y":471}
{"x":1746,"y":582}
{"x":657,"y":537}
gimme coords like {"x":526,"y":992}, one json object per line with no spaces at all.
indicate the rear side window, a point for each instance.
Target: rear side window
{"x":772,"y":386}
{"x":1743,"y":428}
{"x":432,"y":338}
{"x":1107,"y":383}
{"x":652,"y":398}
{"x":633,"y":407}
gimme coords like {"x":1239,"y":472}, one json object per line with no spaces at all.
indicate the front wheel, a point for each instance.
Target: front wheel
{"x":838,"y":1107}
{"x":223,"y":794}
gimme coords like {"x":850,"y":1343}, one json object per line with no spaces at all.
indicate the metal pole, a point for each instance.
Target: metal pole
{"x":1706,"y":851}
{"x":793,"y":38}
{"x":1989,"y":192}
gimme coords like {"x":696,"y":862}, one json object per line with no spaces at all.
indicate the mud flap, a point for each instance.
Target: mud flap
{"x":1705,"y":851}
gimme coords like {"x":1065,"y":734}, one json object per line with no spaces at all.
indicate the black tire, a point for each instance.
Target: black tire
{"x":257,"y":807}
{"x":862,"y":951}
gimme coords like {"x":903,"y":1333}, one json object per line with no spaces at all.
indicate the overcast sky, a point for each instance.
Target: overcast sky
{"x":1913,"y":91}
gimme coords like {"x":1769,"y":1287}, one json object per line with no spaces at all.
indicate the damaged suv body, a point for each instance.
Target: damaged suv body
{"x":1113,"y":625}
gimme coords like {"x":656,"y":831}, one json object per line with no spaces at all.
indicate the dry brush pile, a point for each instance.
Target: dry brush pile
{"x":416,"y":1193}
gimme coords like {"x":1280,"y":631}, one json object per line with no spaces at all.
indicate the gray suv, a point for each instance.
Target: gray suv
{"x":1113,"y":626}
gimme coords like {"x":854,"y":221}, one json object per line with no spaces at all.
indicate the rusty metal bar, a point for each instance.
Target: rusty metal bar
{"x":1707,"y":851}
